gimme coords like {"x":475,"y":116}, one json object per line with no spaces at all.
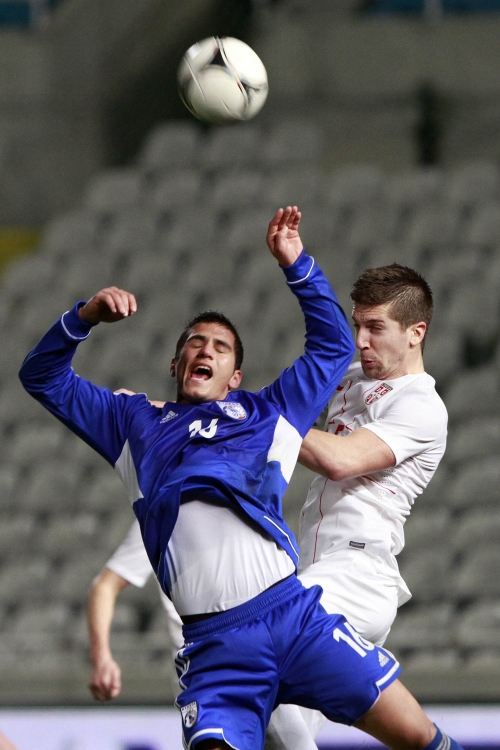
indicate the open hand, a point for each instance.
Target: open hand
{"x":108,"y":306}
{"x":283,"y":238}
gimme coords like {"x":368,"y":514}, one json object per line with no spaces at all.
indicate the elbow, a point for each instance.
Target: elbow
{"x":338,"y":473}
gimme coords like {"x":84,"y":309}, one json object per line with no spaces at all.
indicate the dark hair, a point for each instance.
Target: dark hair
{"x":212,"y":316}
{"x":407,"y":291}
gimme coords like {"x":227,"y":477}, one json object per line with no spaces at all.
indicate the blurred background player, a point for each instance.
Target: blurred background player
{"x":385,"y":436}
{"x":128,"y":565}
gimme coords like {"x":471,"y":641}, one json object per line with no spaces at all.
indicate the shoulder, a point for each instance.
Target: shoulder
{"x":419,"y":403}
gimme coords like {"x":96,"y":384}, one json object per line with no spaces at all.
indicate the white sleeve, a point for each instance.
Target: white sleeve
{"x":412,"y":424}
{"x":130,"y":560}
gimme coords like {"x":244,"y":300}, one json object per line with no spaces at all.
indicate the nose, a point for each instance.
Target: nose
{"x":361,"y":339}
{"x":206,"y":351}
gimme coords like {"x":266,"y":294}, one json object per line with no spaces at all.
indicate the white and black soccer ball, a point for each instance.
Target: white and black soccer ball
{"x":222,"y":80}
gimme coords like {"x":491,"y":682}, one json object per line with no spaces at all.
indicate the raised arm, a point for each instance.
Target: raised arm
{"x":339,"y":457}
{"x":105,"y":682}
{"x":303,"y":389}
{"x":94,"y":414}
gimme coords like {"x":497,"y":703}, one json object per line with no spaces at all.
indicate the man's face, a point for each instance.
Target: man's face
{"x":386,"y":350}
{"x":205,"y":368}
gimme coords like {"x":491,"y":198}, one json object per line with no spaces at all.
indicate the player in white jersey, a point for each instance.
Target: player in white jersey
{"x":129,"y":564}
{"x":384,"y":437}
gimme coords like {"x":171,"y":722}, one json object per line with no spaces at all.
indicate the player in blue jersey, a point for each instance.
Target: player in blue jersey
{"x":205,"y":476}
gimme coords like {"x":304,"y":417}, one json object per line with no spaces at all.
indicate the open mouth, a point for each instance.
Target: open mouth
{"x":201,"y":373}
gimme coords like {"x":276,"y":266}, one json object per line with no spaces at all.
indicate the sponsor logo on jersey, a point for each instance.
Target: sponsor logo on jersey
{"x":357,"y":545}
{"x":383,"y":659}
{"x":379,"y":391}
{"x":171,"y":415}
{"x":233,"y":409}
{"x":189,"y":714}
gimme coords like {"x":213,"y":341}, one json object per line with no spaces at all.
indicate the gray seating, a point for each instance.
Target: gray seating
{"x":474,"y":393}
{"x":427,"y":573}
{"x":477,"y":575}
{"x":177,"y":189}
{"x":424,"y":627}
{"x":235,"y":190}
{"x":473,"y":439}
{"x":115,"y":190}
{"x":474,"y":484}
{"x":427,"y":527}
{"x":229,"y":148}
{"x":356,"y":185}
{"x":170,"y":145}
{"x":479,"y":625}
{"x":476,"y":528}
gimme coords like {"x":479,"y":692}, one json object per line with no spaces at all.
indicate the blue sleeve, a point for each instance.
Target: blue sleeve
{"x":95,"y":414}
{"x":303,"y":389}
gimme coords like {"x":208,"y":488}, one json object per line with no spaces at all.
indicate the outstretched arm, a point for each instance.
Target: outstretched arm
{"x":339,"y":457}
{"x":105,"y":682}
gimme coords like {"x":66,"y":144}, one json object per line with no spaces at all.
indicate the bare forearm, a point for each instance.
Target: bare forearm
{"x":339,"y":457}
{"x":100,"y":609}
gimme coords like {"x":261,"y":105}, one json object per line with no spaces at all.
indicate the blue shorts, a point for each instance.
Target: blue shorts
{"x":280,"y":647}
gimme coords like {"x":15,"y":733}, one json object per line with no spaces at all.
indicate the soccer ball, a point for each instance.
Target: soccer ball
{"x":222,"y":80}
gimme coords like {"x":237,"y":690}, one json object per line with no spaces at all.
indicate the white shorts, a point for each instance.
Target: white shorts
{"x":359,"y":587}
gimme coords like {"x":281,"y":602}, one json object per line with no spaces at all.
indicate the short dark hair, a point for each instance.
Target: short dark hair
{"x":212,"y":316}
{"x":407,"y":291}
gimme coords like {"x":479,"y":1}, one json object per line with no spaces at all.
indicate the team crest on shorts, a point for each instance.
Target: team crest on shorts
{"x":189,"y":714}
{"x":233,"y":409}
{"x":379,"y":391}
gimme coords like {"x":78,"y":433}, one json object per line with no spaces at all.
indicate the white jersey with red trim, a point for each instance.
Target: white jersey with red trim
{"x":368,"y":512}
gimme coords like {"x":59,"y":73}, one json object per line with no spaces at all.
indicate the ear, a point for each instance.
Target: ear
{"x":235,"y":381}
{"x":418,"y":331}
{"x":173,"y":365}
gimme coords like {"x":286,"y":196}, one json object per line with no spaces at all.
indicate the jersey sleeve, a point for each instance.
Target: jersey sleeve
{"x":130,"y":561}
{"x":302,"y":390}
{"x":95,"y":414}
{"x":412,"y":424}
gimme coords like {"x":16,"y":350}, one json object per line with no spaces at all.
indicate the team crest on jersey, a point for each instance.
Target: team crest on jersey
{"x":189,"y":714}
{"x":233,"y":409}
{"x":171,"y":415}
{"x":379,"y":391}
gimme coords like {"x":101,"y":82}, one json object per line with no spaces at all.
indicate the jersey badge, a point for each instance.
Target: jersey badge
{"x":233,"y":409}
{"x":171,"y":415}
{"x":189,"y":714}
{"x":379,"y":391}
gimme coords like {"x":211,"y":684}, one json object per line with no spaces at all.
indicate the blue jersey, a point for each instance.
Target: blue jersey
{"x":238,"y":451}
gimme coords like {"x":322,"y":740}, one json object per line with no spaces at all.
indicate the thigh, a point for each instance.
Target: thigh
{"x":229,"y":683}
{"x":354,"y":586}
{"x":333,"y":669}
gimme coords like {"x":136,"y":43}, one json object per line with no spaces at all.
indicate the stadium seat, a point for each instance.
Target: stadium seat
{"x":427,"y":573}
{"x":170,"y":145}
{"x":474,"y":393}
{"x":115,"y":190}
{"x":433,"y":228}
{"x":289,"y":141}
{"x":353,"y":186}
{"x":476,"y":483}
{"x":32,"y":444}
{"x":409,"y":190}
{"x":133,"y":232}
{"x":104,"y":492}
{"x":484,"y":228}
{"x":70,"y":533}
{"x":443,"y":354}
{"x":16,"y":530}
{"x":290,"y":187}
{"x":472,"y":184}
{"x":427,"y":527}
{"x":8,"y":478}
{"x":229,"y":148}
{"x":24,"y":577}
{"x":473,"y":439}
{"x":51,"y":486}
{"x":72,"y":232}
{"x":191,"y":230}
{"x":475,"y":578}
{"x":424,"y":627}
{"x":177,"y":190}
{"x":29,"y":275}
{"x":235,"y":190}
{"x":476,"y":528}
